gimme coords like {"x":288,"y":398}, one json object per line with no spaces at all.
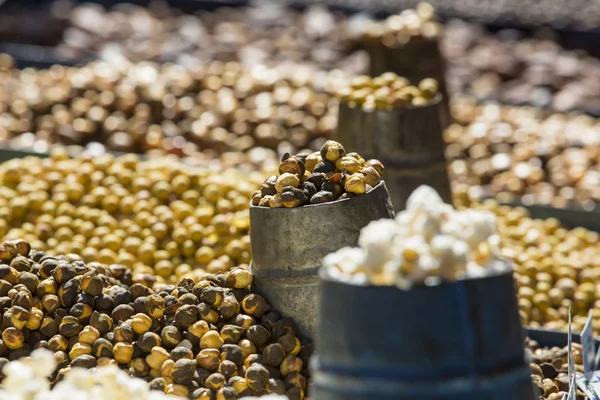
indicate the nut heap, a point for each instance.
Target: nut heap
{"x":197,"y":340}
{"x":509,"y":68}
{"x":428,"y":243}
{"x":320,"y":177}
{"x":206,"y":109}
{"x":555,"y":268}
{"x":415,"y":24}
{"x":520,"y":153}
{"x":388,"y":91}
{"x":549,"y":369}
{"x":160,"y":219}
{"x":262,"y":34}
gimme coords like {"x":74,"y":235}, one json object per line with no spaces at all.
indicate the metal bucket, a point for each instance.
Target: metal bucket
{"x":288,"y":246}
{"x":408,"y":141}
{"x":416,"y":60}
{"x":456,"y":340}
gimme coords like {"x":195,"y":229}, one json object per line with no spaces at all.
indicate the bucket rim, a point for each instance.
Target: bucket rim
{"x":507,"y":269}
{"x":328,"y":204}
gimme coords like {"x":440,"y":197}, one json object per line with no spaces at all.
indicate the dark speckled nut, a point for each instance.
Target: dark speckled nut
{"x":49,"y":327}
{"x":295,"y":394}
{"x":84,"y":361}
{"x":23,"y":247}
{"x":81,"y":311}
{"x":215,"y":381}
{"x":170,"y":336}
{"x":158,"y":384}
{"x":322,"y":197}
{"x":186,"y":316}
{"x":282,"y":327}
{"x":47,"y":267}
{"x":64,"y":273}
{"x":229,"y":307}
{"x":233,"y":353}
{"x":257,"y":377}
{"x":291,"y":164}
{"x":183,"y":371}
{"x":325,"y":167}
{"x":104,"y":302}
{"x":258,"y":334}
{"x":138,"y":290}
{"x":47,"y":286}
{"x":69,"y":326}
{"x":296,"y":380}
{"x":291,"y":344}
{"x":181,"y":352}
{"x":202,"y":394}
{"x":208,"y":359}
{"x":20,"y":263}
{"x":124,"y":332}
{"x":155,"y":306}
{"x":273,"y":355}
{"x":92,"y":283}
{"x":212,"y":295}
{"x":255,"y":305}
{"x":227,"y":393}
{"x":22,"y":299}
{"x":102,"y":348}
{"x":29,"y":280}
{"x":231,"y":334}
{"x":5,"y":286}
{"x":332,"y":150}
{"x":102,"y":322}
{"x":148,"y":340}
{"x":122,"y":313}
{"x":309,"y":189}
{"x":68,"y":292}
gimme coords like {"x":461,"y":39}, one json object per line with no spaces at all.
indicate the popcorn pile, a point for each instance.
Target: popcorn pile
{"x":428,"y":243}
{"x":26,"y":379}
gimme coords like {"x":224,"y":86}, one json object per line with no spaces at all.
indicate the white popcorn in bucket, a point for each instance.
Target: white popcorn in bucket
{"x":427,"y":243}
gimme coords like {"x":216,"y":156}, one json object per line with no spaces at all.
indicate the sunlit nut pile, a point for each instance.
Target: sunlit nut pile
{"x":197,"y":340}
{"x":387,"y":91}
{"x":148,"y":107}
{"x":419,"y":23}
{"x":27,"y":378}
{"x":555,"y":268}
{"x":507,"y":67}
{"x":549,"y":369}
{"x":429,"y":242}
{"x":262,"y":34}
{"x":523,"y":154}
{"x":161,"y":219}
{"x":320,"y":177}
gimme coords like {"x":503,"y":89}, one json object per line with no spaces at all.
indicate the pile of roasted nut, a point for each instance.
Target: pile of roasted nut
{"x":524,"y":154}
{"x":511,"y":68}
{"x":549,"y":369}
{"x":387,"y":91}
{"x":198,"y":339}
{"x":555,"y":268}
{"x":320,"y":177}
{"x":162,"y":220}
{"x":206,"y":109}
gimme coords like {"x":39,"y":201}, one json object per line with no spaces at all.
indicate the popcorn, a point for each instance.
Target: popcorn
{"x":427,"y":243}
{"x":26,"y":379}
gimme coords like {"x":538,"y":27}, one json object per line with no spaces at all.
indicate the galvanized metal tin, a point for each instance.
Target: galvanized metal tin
{"x":456,"y":340}
{"x":288,"y":246}
{"x":408,"y":141}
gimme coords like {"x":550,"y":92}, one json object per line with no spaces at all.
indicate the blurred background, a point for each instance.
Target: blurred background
{"x":198,"y":79}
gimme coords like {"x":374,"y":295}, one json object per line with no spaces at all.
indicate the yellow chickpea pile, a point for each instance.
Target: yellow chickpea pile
{"x":161,"y":218}
{"x":555,"y":267}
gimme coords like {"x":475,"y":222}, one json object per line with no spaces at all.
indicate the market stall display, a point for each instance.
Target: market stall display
{"x":161,"y":219}
{"x":202,"y":339}
{"x":405,"y":270}
{"x":525,"y":154}
{"x":325,"y":213}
